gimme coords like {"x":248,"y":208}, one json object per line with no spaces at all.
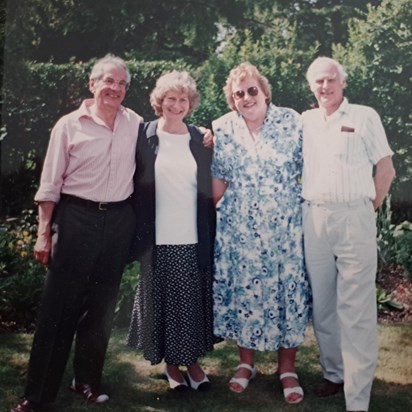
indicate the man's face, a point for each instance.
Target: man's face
{"x":327,"y":87}
{"x":110,"y":90}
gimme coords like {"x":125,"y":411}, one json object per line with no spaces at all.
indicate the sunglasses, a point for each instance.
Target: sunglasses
{"x":251,"y":91}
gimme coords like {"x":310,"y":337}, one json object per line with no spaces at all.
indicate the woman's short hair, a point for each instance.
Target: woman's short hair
{"x":324,"y":61}
{"x":241,"y":72}
{"x":98,"y":68}
{"x":178,"y":81}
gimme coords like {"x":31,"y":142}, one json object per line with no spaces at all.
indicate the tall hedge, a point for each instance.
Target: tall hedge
{"x":36,"y":96}
{"x":377,"y":57}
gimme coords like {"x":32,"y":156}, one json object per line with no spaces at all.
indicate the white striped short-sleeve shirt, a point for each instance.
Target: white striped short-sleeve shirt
{"x":339,"y":152}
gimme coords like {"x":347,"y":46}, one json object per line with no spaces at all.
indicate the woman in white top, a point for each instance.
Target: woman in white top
{"x":172,"y":315}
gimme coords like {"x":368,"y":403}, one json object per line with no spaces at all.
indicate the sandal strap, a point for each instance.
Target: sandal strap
{"x":288,"y":391}
{"x":246,"y":366}
{"x":296,"y":389}
{"x":243,"y":382}
{"x":288,"y":375}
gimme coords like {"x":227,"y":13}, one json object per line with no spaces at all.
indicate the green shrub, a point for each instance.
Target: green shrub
{"x":402,"y":235}
{"x":126,"y":296}
{"x":385,"y":238}
{"x":21,"y":277}
{"x":378,"y":59}
{"x":384,"y":301}
{"x":37,"y":96}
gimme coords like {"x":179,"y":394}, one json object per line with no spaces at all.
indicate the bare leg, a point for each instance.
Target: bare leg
{"x":196,"y":372}
{"x":246,"y":356}
{"x":286,"y":363}
{"x":286,"y":360}
{"x":174,"y":372}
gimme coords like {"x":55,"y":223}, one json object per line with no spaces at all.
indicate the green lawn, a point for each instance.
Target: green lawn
{"x":135,"y":385}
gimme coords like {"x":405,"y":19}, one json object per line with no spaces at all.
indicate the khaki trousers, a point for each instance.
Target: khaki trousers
{"x":341,"y":259}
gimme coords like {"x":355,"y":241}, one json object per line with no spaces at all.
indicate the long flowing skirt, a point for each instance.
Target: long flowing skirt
{"x":172,"y":317}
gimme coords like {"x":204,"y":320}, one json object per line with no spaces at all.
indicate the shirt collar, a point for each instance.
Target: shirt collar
{"x":84,"y":110}
{"x":343,"y":108}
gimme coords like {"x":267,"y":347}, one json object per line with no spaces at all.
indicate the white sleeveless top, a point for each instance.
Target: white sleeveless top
{"x":176,"y":190}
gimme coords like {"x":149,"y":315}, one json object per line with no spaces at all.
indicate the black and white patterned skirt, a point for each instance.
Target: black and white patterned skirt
{"x":172,"y":316}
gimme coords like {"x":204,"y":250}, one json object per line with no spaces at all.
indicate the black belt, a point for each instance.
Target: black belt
{"x":90,"y":204}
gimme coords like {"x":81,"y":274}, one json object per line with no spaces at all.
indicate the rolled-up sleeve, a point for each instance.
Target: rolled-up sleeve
{"x":55,"y":165}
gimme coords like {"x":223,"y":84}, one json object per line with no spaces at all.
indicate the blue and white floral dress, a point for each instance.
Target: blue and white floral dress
{"x":261,"y":290}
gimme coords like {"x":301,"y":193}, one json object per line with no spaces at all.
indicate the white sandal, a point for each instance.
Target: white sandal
{"x":296,"y":389}
{"x":202,"y":385}
{"x":175,"y":385}
{"x":243,"y":382}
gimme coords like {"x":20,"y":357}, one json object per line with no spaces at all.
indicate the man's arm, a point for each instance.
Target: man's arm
{"x":207,"y":137}
{"x":384,"y":174}
{"x":42,"y":248}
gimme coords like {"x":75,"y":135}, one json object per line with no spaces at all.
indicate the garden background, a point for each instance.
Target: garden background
{"x":50,"y":46}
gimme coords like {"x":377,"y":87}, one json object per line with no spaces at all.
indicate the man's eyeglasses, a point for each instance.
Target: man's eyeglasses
{"x":108,"y":81}
{"x":240,"y":94}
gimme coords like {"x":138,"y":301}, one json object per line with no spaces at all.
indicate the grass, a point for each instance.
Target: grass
{"x":136,"y":386}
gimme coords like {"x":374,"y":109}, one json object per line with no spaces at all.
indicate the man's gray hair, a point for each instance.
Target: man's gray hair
{"x":98,"y":68}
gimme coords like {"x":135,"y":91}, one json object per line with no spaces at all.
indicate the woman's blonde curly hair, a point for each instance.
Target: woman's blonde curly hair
{"x":178,"y":81}
{"x":238,"y":74}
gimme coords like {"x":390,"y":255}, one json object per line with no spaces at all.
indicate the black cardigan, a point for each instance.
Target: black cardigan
{"x":144,"y":195}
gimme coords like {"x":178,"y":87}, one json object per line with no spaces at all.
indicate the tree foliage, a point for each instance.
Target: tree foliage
{"x":276,"y":55}
{"x":51,"y":45}
{"x":61,"y":30}
{"x":378,"y":57}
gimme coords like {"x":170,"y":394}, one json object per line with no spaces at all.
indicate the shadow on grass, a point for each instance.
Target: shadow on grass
{"x":136,"y":386}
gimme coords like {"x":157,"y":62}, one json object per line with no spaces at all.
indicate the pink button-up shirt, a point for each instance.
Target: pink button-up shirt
{"x":87,"y":159}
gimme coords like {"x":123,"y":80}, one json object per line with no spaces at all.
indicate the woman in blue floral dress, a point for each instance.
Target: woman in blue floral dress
{"x":261,"y":291}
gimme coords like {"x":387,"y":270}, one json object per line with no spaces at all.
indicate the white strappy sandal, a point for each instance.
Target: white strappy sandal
{"x":243,"y":382}
{"x":296,"y":389}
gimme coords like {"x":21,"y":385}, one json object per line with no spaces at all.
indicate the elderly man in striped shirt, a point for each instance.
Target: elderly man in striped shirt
{"x":343,"y":144}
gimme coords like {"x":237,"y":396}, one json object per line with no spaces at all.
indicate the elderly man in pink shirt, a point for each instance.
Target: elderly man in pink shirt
{"x":86,"y":225}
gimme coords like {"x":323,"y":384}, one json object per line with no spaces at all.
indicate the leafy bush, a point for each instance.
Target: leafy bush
{"x":384,"y":301}
{"x":38,"y":94}
{"x":403,"y":246}
{"x":21,"y":277}
{"x":378,"y":58}
{"x":385,"y":239}
{"x":394,"y":241}
{"x":127,"y":292}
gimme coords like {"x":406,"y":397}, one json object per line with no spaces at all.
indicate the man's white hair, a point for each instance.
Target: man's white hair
{"x":323,"y":61}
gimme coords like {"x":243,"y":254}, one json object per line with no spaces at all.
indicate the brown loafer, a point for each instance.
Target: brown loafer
{"x":90,"y":394}
{"x":328,"y":388}
{"x":23,"y":406}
